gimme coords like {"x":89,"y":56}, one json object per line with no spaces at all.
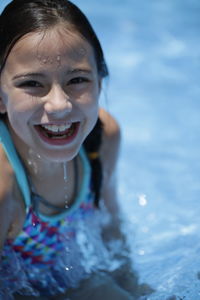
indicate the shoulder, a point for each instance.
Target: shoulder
{"x":111,"y":128}
{"x":5,"y":196}
{"x":110,"y":141}
{"x":109,"y":157}
{"x":11,"y":210}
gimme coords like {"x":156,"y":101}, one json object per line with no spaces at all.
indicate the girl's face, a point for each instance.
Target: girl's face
{"x":50,"y":88}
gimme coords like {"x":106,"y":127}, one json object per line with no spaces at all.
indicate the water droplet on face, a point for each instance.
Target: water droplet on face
{"x":82,"y":51}
{"x":29,"y":162}
{"x":33,"y":161}
{"x":58,"y":60}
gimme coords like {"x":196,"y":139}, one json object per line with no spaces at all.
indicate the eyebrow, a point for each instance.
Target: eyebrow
{"x":79,"y":71}
{"x":28,"y":75}
{"x":87,"y":71}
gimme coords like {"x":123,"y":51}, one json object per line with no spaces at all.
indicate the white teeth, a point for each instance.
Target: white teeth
{"x":56,"y":128}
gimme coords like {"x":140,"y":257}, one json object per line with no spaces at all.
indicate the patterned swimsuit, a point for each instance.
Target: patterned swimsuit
{"x":51,"y":253}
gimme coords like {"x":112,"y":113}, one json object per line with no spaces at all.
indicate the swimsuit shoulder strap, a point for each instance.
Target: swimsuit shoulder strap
{"x":9,"y":148}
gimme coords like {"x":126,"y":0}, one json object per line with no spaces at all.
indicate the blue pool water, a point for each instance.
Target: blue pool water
{"x":153,"y":53}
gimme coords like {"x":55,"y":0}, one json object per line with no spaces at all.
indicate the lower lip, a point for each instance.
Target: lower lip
{"x":57,"y":142}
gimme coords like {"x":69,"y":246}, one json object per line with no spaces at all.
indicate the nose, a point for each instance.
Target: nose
{"x":57,"y":102}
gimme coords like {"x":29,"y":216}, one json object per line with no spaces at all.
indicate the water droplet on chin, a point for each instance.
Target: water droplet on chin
{"x":34,"y":161}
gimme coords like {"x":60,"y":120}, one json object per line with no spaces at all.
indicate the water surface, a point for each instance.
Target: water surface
{"x":153,"y":52}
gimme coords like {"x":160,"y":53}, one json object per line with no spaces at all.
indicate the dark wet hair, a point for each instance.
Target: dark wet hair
{"x":21,"y":17}
{"x":92,"y":146}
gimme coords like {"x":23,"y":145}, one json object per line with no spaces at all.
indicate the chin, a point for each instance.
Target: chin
{"x":61,"y":156}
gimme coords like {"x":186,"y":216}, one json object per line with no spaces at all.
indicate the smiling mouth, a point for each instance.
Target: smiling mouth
{"x":58,"y":133}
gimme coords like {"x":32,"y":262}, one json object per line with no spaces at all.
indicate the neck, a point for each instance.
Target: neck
{"x":41,"y":169}
{"x":53,"y":181}
{"x":56,"y":182}
{"x":38,"y":168}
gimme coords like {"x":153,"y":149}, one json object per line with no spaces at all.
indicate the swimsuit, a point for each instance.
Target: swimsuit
{"x":51,"y":253}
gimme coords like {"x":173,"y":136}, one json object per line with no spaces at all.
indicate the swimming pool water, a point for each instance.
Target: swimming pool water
{"x":153,"y":53}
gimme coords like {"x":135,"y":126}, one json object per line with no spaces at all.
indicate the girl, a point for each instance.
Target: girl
{"x":58,"y":156}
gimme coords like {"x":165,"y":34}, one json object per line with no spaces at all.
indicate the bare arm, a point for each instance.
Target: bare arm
{"x":12,"y":211}
{"x":109,"y":156}
{"x":124,"y":276}
{"x":6,"y":183}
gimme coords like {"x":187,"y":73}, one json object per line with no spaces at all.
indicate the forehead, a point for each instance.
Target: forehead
{"x":52,"y":46}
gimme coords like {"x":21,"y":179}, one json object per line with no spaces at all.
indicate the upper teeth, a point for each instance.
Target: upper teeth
{"x":56,"y":128}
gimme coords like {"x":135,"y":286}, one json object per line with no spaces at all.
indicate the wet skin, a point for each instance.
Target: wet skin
{"x":50,"y":78}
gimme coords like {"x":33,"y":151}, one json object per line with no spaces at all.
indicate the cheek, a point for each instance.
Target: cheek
{"x":91,"y":116}
{"x":89,"y":100}
{"x":18,"y":117}
{"x":16,"y":120}
{"x":88,"y":106}
{"x":90,"y":111}
{"x":20,"y":106}
{"x":15,"y":113}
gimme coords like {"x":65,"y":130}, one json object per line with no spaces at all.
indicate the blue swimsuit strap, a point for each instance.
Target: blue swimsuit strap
{"x":9,"y":148}
{"x":6,"y":140}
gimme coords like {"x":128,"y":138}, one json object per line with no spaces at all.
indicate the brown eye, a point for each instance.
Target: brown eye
{"x":31,"y":84}
{"x":78,"y":80}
